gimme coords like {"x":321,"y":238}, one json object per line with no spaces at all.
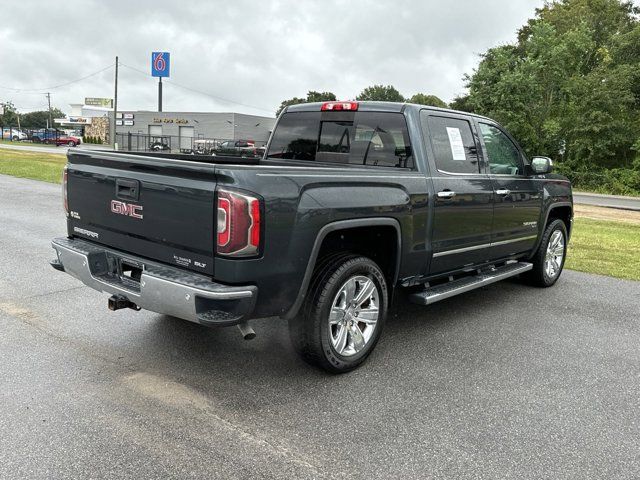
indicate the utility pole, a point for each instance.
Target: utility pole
{"x":114,"y":141}
{"x":49,"y":101}
{"x":159,"y":94}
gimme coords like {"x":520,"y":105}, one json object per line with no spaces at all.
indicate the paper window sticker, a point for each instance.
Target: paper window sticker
{"x":455,"y":142}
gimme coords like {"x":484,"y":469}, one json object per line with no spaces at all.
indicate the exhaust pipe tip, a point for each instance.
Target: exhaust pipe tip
{"x":246,"y":331}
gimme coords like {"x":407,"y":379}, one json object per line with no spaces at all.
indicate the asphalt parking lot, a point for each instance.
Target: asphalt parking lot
{"x":504,"y":382}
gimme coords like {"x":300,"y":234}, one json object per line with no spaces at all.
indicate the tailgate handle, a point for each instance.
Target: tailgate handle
{"x":127,"y":189}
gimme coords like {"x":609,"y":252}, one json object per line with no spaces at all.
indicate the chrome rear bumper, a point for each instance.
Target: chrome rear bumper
{"x":162,"y":289}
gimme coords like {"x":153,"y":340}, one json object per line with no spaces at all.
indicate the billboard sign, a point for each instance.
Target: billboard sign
{"x":160,"y":64}
{"x":98,"y":102}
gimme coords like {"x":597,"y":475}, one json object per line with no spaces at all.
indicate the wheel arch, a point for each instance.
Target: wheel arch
{"x":329,"y":232}
{"x":562,"y":211}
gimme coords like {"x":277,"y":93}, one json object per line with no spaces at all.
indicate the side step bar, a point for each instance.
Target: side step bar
{"x":440,"y":292}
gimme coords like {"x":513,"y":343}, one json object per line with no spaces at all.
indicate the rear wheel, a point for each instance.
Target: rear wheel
{"x":548,"y":261}
{"x":343,"y":316}
{"x":71,"y":143}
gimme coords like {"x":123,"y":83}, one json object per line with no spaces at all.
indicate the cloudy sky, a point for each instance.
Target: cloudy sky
{"x":244,"y":56}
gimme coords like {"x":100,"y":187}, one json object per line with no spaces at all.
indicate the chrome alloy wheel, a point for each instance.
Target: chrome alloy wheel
{"x":554,"y":255}
{"x":354,"y":315}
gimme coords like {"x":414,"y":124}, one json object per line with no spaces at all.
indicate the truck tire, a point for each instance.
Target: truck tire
{"x":343,"y":315}
{"x":548,"y":260}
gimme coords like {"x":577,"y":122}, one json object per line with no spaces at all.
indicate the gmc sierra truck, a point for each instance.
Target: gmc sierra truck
{"x":351,"y":202}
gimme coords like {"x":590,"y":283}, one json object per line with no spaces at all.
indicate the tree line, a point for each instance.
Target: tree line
{"x":37,"y":119}
{"x":381,"y":93}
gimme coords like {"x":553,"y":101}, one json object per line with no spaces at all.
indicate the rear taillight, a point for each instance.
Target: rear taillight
{"x":239,"y":224}
{"x":65,"y":180}
{"x":339,"y":106}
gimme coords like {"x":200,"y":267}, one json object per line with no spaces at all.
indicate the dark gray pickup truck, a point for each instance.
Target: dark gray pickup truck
{"x":351,"y":202}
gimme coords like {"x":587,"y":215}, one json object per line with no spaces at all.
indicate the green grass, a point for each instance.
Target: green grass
{"x":605,"y":248}
{"x":38,"y":166}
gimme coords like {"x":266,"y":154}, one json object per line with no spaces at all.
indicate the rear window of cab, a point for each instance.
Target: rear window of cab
{"x":354,"y":138}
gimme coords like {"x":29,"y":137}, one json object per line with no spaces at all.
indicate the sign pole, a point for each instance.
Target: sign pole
{"x":114,"y":140}
{"x":49,"y":102}
{"x":159,"y":94}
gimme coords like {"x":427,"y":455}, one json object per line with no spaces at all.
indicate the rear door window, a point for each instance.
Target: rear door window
{"x":360,"y":138}
{"x":453,"y":143}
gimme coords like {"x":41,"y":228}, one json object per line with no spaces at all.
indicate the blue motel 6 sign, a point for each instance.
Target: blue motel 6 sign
{"x":160,"y":64}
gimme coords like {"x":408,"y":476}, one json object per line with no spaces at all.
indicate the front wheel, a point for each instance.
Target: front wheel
{"x":71,"y":143}
{"x":548,"y":260}
{"x":343,"y":316}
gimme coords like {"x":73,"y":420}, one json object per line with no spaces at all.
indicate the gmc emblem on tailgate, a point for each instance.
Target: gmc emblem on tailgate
{"x":128,"y":209}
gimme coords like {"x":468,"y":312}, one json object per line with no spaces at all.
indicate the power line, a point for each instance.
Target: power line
{"x":38,"y":91}
{"x":195,"y":90}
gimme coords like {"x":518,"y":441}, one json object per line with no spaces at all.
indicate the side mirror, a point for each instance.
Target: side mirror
{"x":541,"y":165}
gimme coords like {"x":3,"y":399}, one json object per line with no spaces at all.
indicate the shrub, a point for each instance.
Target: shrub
{"x":615,"y":181}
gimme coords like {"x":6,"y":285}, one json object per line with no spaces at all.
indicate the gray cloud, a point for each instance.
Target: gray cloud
{"x":254,"y":52}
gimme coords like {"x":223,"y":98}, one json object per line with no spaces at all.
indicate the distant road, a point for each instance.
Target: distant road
{"x":611,"y":201}
{"x":35,"y":148}
{"x":62,"y":150}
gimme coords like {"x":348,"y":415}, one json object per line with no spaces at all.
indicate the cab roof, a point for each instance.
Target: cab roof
{"x":371,"y":106}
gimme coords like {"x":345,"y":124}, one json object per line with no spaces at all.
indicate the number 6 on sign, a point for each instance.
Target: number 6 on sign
{"x":160,"y":64}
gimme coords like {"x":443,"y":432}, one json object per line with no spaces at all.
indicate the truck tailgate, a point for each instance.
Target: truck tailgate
{"x":161,"y":210}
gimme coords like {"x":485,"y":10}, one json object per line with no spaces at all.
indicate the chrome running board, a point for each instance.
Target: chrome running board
{"x":455,"y":287}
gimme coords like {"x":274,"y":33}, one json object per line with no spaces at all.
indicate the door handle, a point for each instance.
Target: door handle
{"x":503,"y":192}
{"x":446,"y":194}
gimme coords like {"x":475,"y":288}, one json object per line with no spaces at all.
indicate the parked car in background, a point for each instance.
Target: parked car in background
{"x":238,"y":148}
{"x":45,"y":135}
{"x":68,"y":140}
{"x":54,"y":137}
{"x":13,"y":134}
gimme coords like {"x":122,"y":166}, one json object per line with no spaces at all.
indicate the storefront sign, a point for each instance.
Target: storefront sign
{"x":171,"y":120}
{"x":79,"y":120}
{"x":99,"y":102}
